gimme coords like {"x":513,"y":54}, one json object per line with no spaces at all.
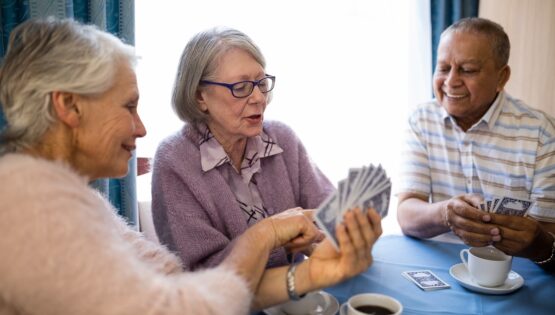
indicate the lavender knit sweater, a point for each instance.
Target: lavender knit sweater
{"x":196,"y":214}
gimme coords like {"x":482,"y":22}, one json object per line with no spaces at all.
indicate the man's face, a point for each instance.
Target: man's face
{"x":467,"y":77}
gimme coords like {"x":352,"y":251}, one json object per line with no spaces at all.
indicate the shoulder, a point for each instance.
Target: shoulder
{"x":426,"y":115}
{"x":280,"y":132}
{"x":428,"y":109}
{"x":37,"y":171}
{"x":517,"y":113}
{"x":40,"y":189}
{"x":183,"y":138}
{"x":178,"y":147}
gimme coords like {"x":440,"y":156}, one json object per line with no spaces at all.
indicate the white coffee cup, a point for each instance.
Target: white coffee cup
{"x":357,"y":304}
{"x":488,"y":266}
{"x":312,"y":303}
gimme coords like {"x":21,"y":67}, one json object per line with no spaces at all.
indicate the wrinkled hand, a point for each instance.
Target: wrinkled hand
{"x":294,"y":229}
{"x":467,"y":221}
{"x":356,"y":235}
{"x":518,"y":236}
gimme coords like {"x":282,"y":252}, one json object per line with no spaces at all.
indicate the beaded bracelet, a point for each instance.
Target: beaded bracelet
{"x":548,"y":260}
{"x":290,"y":282}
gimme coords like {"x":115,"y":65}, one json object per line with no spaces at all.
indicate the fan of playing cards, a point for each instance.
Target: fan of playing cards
{"x":507,"y":206}
{"x":366,"y":187}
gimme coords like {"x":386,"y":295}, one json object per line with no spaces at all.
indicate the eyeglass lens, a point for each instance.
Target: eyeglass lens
{"x":243,"y":89}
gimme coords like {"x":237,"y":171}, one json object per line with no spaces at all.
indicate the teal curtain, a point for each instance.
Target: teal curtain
{"x":445,"y":13}
{"x":114,"y":16}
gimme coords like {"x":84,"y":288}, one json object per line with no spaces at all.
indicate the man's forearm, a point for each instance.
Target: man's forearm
{"x":421,"y":219}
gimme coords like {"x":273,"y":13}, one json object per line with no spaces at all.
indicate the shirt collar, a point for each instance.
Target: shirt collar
{"x":212,"y":153}
{"x":489,"y":118}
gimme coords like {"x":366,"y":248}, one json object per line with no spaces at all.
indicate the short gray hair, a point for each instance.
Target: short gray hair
{"x":46,"y":55}
{"x":498,"y":38}
{"x":199,"y":62}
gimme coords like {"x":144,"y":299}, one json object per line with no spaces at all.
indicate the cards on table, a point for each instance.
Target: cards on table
{"x":425,"y":280}
{"x":507,"y":206}
{"x":365,"y":187}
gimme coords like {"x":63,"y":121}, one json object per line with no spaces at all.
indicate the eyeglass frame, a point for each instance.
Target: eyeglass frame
{"x":254,"y":84}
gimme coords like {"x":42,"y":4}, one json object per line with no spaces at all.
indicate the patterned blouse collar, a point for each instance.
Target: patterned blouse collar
{"x":212,"y":153}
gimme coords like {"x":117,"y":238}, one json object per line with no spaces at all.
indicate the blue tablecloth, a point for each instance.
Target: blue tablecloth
{"x":394,"y":254}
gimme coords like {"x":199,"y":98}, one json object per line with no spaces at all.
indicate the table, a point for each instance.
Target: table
{"x":394,"y":254}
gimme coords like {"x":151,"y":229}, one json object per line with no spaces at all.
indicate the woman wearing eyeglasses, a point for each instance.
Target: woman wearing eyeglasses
{"x":227,"y":168}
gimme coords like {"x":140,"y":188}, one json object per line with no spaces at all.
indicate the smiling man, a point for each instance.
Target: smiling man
{"x":476,"y":142}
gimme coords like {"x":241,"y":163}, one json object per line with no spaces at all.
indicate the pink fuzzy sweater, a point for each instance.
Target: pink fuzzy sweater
{"x":65,"y":251}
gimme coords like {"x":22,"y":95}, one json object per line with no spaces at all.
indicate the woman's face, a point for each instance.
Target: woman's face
{"x":230,"y":118}
{"x":108,"y":128}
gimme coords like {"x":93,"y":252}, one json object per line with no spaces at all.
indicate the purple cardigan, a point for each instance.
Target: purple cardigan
{"x":196,"y":214}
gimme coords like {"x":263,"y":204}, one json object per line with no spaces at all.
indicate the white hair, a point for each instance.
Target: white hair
{"x":46,"y":55}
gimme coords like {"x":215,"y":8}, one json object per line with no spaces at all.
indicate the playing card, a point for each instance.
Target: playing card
{"x":425,"y":280}
{"x":495,"y":204}
{"x":379,"y":202}
{"x":365,"y":187}
{"x":327,"y":217}
{"x":513,"y":206}
{"x":489,"y":206}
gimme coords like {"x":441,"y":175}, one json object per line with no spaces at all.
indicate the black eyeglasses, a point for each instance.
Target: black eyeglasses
{"x":244,"y":88}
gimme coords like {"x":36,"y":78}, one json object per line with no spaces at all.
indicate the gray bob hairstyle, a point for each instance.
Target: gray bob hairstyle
{"x":46,"y":55}
{"x":199,"y":61}
{"x":499,"y":40}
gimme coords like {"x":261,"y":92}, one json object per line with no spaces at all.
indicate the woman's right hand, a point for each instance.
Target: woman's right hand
{"x":293,"y":228}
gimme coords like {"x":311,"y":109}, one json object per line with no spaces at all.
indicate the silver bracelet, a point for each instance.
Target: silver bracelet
{"x":290,"y":283}
{"x":550,"y":259}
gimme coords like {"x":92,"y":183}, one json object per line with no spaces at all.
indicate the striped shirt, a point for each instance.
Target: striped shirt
{"x":510,"y":151}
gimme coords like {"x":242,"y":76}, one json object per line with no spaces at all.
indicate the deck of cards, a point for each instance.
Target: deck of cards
{"x":365,"y":187}
{"x":425,"y":280}
{"x":507,"y":206}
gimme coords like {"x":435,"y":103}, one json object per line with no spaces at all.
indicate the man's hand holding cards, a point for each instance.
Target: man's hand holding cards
{"x":366,"y":187}
{"x":507,"y":206}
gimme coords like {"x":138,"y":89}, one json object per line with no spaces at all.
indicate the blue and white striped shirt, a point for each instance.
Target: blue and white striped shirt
{"x":509,"y":152}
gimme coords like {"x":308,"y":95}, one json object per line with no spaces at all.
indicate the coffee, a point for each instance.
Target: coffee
{"x":374,"y":310}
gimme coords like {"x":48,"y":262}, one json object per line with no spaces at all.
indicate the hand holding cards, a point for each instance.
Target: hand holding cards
{"x":507,"y":206}
{"x":366,"y":187}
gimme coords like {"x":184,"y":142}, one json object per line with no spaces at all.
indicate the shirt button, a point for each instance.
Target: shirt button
{"x":469,"y":181}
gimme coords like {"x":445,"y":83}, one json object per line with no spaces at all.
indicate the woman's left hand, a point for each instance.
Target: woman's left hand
{"x":356,"y":235}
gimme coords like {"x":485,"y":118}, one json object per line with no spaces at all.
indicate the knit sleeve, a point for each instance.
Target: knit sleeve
{"x":183,"y":221}
{"x":62,"y":253}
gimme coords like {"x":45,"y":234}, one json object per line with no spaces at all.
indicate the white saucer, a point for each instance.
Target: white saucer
{"x":331,"y":310}
{"x":460,"y":273}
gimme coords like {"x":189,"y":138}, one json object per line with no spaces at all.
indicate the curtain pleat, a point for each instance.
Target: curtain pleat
{"x":114,"y":16}
{"x":444,"y":13}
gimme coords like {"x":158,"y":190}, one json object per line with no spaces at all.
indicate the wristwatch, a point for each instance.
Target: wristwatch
{"x":550,"y":258}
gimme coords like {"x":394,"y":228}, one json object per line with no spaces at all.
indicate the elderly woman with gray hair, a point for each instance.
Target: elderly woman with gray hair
{"x":69,"y":94}
{"x":227,"y":168}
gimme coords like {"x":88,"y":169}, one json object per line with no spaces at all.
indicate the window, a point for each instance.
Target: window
{"x":342,"y":71}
